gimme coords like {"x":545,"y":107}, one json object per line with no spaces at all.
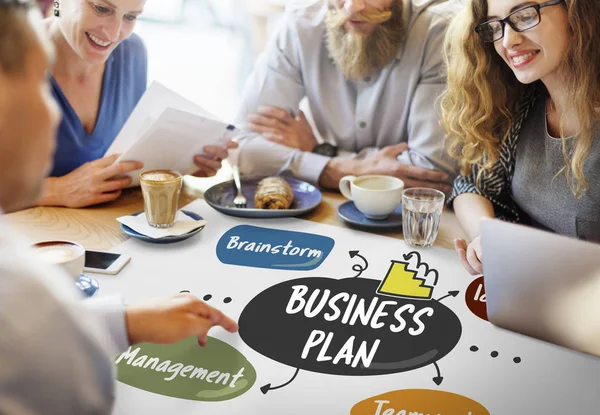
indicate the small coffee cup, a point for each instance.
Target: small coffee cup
{"x":68,"y":255}
{"x":376,"y":196}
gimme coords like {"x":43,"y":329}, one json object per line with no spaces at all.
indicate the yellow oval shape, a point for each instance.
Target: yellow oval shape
{"x":418,"y":402}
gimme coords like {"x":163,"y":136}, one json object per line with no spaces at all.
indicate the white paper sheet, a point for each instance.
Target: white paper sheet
{"x":165,"y":131}
{"x":549,"y":379}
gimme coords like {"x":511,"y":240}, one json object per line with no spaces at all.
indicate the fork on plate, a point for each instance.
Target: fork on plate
{"x":239,"y":200}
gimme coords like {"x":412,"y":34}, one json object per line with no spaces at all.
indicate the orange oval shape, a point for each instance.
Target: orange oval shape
{"x":418,"y":402}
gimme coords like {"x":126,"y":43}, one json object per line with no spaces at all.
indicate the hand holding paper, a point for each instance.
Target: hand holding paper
{"x":165,"y":131}
{"x":208,"y":164}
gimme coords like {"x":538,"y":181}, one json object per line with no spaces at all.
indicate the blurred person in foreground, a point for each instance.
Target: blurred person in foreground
{"x":57,"y":351}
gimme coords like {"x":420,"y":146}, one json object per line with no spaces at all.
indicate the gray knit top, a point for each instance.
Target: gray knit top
{"x":540,"y":189}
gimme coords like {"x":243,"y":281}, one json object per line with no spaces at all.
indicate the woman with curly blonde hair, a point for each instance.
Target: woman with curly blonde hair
{"x":522,"y":112}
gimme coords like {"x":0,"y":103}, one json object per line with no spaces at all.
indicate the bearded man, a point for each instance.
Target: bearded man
{"x":371,"y":71}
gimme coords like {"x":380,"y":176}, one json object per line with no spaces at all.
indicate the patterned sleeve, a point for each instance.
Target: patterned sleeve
{"x":495,"y":184}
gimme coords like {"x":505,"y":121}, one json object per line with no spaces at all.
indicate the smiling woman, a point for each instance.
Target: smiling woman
{"x":522,"y":113}
{"x":99,"y":76}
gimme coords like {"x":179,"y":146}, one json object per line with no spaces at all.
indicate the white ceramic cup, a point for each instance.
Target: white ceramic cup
{"x":69,"y":256}
{"x":375,"y":196}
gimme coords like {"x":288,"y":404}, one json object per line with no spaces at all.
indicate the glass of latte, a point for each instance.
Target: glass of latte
{"x":161,"y":189}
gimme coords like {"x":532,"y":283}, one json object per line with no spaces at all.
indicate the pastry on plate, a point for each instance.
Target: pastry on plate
{"x":273,"y":193}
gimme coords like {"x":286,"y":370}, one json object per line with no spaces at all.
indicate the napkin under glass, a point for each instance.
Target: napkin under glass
{"x":183,"y":224}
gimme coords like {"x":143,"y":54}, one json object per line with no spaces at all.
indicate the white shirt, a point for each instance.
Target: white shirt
{"x":396,"y":105}
{"x":56,"y":350}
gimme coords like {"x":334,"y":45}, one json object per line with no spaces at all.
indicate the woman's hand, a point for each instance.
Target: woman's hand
{"x":94,"y":182}
{"x":173,"y":319}
{"x":470,"y":255}
{"x":210,"y":162}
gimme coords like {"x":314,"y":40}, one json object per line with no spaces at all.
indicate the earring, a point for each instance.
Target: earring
{"x":56,"y":9}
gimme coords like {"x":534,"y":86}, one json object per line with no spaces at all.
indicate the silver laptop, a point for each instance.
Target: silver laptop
{"x":542,"y":285}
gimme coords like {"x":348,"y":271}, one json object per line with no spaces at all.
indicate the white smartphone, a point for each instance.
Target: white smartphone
{"x":105,"y":262}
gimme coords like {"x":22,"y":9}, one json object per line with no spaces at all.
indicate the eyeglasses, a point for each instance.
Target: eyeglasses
{"x":520,"y":21}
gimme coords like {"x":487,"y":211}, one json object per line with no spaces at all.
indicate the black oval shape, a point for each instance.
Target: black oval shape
{"x":267,"y":328}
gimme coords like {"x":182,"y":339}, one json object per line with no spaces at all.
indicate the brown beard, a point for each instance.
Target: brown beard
{"x":358,"y":55}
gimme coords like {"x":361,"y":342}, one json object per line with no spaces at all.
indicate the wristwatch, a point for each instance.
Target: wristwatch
{"x":326,"y":149}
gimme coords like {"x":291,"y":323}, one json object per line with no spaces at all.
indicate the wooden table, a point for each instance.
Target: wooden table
{"x":96,"y":228}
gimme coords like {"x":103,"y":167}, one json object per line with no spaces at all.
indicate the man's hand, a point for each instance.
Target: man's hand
{"x":210,"y":162}
{"x":470,"y":255}
{"x":94,"y":182}
{"x":280,"y":127}
{"x":384,"y":162}
{"x":173,"y":319}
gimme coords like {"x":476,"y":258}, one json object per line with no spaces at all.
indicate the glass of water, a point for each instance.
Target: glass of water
{"x":421,"y":212}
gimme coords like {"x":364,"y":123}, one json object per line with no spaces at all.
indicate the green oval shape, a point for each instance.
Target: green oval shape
{"x":216,"y":372}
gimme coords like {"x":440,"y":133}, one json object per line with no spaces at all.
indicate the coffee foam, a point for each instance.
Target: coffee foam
{"x":59,"y":253}
{"x":377,"y":183}
{"x":159,"y":177}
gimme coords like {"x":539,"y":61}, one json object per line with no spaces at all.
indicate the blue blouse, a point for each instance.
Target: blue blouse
{"x":124,"y":83}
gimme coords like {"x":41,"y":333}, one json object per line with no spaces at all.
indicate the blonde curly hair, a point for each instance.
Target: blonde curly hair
{"x":482,"y":93}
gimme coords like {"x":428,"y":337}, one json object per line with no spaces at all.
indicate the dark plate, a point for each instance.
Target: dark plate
{"x":220,"y":197}
{"x":351,"y":214}
{"x":165,"y":239}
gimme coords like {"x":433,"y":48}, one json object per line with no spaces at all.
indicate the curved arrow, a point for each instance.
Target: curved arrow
{"x":420,"y":264}
{"x":450,"y":294}
{"x":438,"y":379}
{"x":357,"y":267}
{"x":266,"y":388}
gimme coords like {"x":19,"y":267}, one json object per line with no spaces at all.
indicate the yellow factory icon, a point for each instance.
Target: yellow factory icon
{"x":401,"y":282}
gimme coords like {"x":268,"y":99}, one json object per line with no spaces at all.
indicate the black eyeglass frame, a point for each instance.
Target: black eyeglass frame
{"x":506,"y":20}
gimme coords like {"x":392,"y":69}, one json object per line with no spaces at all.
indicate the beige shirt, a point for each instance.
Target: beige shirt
{"x":396,"y":105}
